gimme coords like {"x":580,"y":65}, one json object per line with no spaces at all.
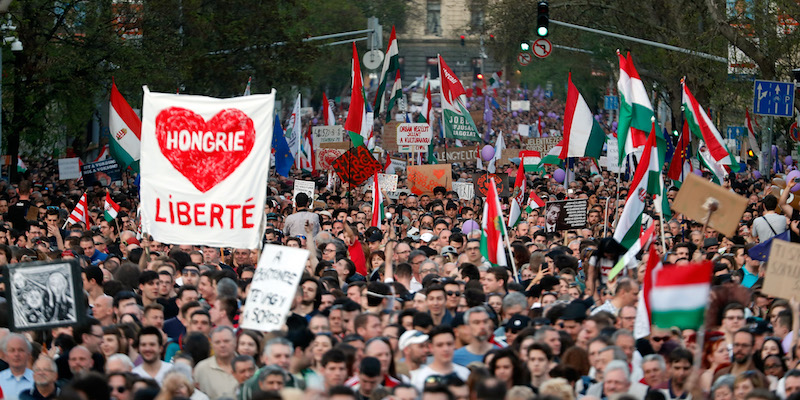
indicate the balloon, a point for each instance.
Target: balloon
{"x":614,"y":126}
{"x":469,"y":226}
{"x":541,"y":113}
{"x":514,"y":114}
{"x":597,"y":118}
{"x":314,"y":121}
{"x":698,"y":172}
{"x":796,"y":175}
{"x":756,"y":175}
{"x":487,"y":153}
{"x":787,"y":160}
{"x":559,"y":175}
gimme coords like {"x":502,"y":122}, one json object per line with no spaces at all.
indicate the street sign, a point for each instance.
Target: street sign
{"x":542,"y":48}
{"x":611,"y":103}
{"x":793,"y":132}
{"x":773,"y":98}
{"x":734,"y":132}
{"x":524,"y":59}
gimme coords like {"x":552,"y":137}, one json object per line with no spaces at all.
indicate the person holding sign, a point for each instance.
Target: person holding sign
{"x":295,"y":224}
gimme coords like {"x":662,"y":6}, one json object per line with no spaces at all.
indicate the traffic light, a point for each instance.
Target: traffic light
{"x":750,"y":153}
{"x":524,"y":46}
{"x":462,"y":40}
{"x":478,"y":76}
{"x":543,"y":19}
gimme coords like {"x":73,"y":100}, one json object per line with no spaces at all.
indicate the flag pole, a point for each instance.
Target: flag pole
{"x":513,"y":263}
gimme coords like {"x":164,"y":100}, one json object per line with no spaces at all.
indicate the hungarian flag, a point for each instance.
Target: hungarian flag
{"x":110,"y":208}
{"x":427,"y":107}
{"x":247,"y":88}
{"x":327,"y":111}
{"x":518,"y":199}
{"x":395,"y":96}
{"x":391,"y":70}
{"x":751,"y":134}
{"x":307,"y":160}
{"x":530,"y":160}
{"x":79,"y":214}
{"x":630,"y":222}
{"x":534,"y":201}
{"x":642,"y":326}
{"x":125,"y":131}
{"x":377,"y":203}
{"x":493,"y":228}
{"x":644,"y":242}
{"x":678,"y":167}
{"x":293,"y":132}
{"x":635,"y":110}
{"x":707,"y":161}
{"x":494,"y":80}
{"x":583,"y":136}
{"x":680,"y":295}
{"x":458,"y":122}
{"x":552,"y":156}
{"x":703,"y":128}
{"x":356,"y":124}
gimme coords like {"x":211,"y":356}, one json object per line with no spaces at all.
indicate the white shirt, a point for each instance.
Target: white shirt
{"x":419,"y":375}
{"x":165,"y":367}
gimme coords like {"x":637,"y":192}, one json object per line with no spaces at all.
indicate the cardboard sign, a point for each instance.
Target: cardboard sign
{"x":456,"y":154}
{"x":328,"y":134}
{"x":389,"y":137}
{"x":477,"y":117}
{"x":506,"y":155}
{"x":465,"y":190}
{"x":273,"y":288}
{"x":69,"y":168}
{"x":301,"y":186}
{"x":339,"y":145}
{"x":481,"y":181}
{"x":423,"y":178}
{"x":542,"y":145}
{"x":102,"y":172}
{"x":410,"y":137}
{"x":565,"y":215}
{"x":326,"y":157}
{"x":204,"y":168}
{"x":520,"y":105}
{"x":694,"y":193}
{"x":387,"y":183}
{"x":783,"y":272}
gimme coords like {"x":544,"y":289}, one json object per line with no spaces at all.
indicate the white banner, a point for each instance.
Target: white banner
{"x":520,"y":105}
{"x":273,"y":288}
{"x":524,"y":130}
{"x":387,"y":182}
{"x":328,"y":134}
{"x":204,"y":168}
{"x":69,"y":168}
{"x":412,"y":137}
{"x":465,"y":190}
{"x":612,"y":152}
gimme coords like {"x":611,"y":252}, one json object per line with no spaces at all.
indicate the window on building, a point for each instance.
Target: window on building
{"x":433,"y":25}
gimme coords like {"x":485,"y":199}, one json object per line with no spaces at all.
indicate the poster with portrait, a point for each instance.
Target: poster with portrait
{"x":44,"y":295}
{"x":565,"y":215}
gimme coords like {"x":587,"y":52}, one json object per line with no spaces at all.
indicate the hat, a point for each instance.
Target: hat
{"x":710,"y":242}
{"x":575,"y":311}
{"x":272,"y":217}
{"x":517,"y":323}
{"x":411,"y":337}
{"x":426,"y":237}
{"x":760,"y":327}
{"x":326,"y":213}
{"x":376,"y":236}
{"x":133,"y":240}
{"x":448,"y":250}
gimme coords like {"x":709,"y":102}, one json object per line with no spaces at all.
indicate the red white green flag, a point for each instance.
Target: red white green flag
{"x":327,"y":111}
{"x":630,"y":222}
{"x":751,"y":134}
{"x":395,"y":96}
{"x":703,"y":128}
{"x":583,"y":136}
{"x":534,"y":202}
{"x":378,"y":214}
{"x":493,"y":228}
{"x":457,"y":121}
{"x":356,"y":124}
{"x":518,"y":199}
{"x":125,"y":130}
{"x":679,"y":296}
{"x":635,"y":109}
{"x":110,"y":208}
{"x":552,"y":156}
{"x":390,"y":72}
{"x":531,"y":160}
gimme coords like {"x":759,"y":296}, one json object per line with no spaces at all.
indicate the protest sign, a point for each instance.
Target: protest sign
{"x":273,"y":288}
{"x":398,"y":165}
{"x":565,"y":214}
{"x":396,"y":194}
{"x":417,"y":97}
{"x":411,"y":134}
{"x":328,"y":134}
{"x":356,"y":166}
{"x":387,"y":182}
{"x":389,"y":137}
{"x":301,"y":186}
{"x":456,"y":154}
{"x":696,"y":191}
{"x":102,"y":172}
{"x":506,"y":155}
{"x":423,"y":178}
{"x":204,"y":168}
{"x":481,"y":182}
{"x":782,"y":278}
{"x":69,"y":168}
{"x":477,"y":117}
{"x":520,"y":105}
{"x":542,"y":145}
{"x":524,"y":130}
{"x":465,"y":190}
{"x":612,"y":155}
{"x":326,"y":157}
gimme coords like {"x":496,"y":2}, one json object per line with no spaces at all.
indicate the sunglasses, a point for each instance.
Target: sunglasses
{"x":452,"y":293}
{"x":658,"y":339}
{"x":119,"y":389}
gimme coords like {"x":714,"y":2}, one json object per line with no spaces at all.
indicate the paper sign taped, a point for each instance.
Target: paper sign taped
{"x":301,"y":186}
{"x":328,"y":134}
{"x":782,"y":278}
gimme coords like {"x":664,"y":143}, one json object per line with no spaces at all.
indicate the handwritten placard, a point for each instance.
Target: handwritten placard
{"x":422,"y":179}
{"x":456,"y":154}
{"x":387,"y":182}
{"x":520,"y":105}
{"x":301,"y":186}
{"x":328,"y":134}
{"x":782,"y":278}
{"x":69,"y":168}
{"x":542,"y":145}
{"x":273,"y":288}
{"x":465,"y":190}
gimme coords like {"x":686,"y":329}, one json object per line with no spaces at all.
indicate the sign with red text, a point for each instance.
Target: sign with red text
{"x":204,"y":168}
{"x":413,"y":137}
{"x":422,"y":179}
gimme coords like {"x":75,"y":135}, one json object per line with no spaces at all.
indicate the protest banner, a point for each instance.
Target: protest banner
{"x":301,"y":186}
{"x":456,"y":154}
{"x":612,"y":155}
{"x":326,"y":157}
{"x":417,"y":97}
{"x":565,"y":214}
{"x":413,"y":137}
{"x":524,"y":130}
{"x":520,"y":105}
{"x":389,"y":137}
{"x":356,"y":165}
{"x":204,"y":168}
{"x":69,"y":168}
{"x":481,"y":182}
{"x":542,"y":145}
{"x":691,"y":202}
{"x":423,"y":178}
{"x":328,"y":134}
{"x":782,"y":278}
{"x":465,"y":190}
{"x":398,"y":165}
{"x":387,"y":182}
{"x":273,"y":288}
{"x":396,"y":194}
{"x":102,"y":172}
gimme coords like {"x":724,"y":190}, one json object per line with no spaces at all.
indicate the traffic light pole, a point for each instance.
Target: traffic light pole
{"x":642,"y":41}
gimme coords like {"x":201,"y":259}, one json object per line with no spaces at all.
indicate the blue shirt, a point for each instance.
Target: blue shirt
{"x":463,"y":356}
{"x":13,"y":386}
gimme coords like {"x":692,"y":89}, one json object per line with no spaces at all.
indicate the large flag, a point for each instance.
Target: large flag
{"x":530,"y":160}
{"x":356,"y":124}
{"x":110,"y":208}
{"x":583,"y":136}
{"x":751,"y":134}
{"x":702,"y":127}
{"x":125,"y":131}
{"x":680,"y":295}
{"x":395,"y":96}
{"x":518,"y":199}
{"x":458,"y":122}
{"x":377,"y":203}
{"x":427,"y":107}
{"x":280,"y":149}
{"x":327,"y":111}
{"x":493,"y":228}
{"x":644,"y":242}
{"x":391,"y":69}
{"x":495,"y":79}
{"x":641,"y":327}
{"x":552,"y":156}
{"x":294,"y":131}
{"x":534,"y":202}
{"x":635,"y":109}
{"x":307,"y":160}
{"x":678,"y":166}
{"x":80,"y":213}
{"x":630,"y":222}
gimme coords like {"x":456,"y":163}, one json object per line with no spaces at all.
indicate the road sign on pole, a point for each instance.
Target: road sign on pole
{"x":772,"y":98}
{"x":524,"y":58}
{"x":542,"y":48}
{"x":611,"y":103}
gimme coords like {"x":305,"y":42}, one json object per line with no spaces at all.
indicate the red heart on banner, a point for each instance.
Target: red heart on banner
{"x":439,"y":173}
{"x":205,"y":152}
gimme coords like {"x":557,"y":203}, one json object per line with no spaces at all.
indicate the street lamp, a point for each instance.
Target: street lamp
{"x":16,"y":45}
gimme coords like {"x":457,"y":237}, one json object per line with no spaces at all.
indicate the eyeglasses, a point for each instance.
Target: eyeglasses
{"x":329,"y":251}
{"x":452,"y":293}
{"x":39,"y":370}
{"x":659,"y":339}
{"x":119,"y":389}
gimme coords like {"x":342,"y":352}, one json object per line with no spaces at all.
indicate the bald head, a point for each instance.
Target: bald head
{"x":80,"y":360}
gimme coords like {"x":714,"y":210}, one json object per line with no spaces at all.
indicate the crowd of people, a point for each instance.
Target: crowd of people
{"x":410,"y":309}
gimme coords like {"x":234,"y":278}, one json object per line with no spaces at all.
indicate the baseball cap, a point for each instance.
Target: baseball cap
{"x":448,"y":249}
{"x":517,"y":323}
{"x":426,"y":237}
{"x":411,"y":337}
